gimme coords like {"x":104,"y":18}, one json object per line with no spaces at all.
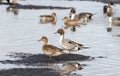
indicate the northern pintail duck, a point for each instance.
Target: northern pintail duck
{"x":83,"y":17}
{"x":82,"y":14}
{"x":69,"y":22}
{"x":50,"y":50}
{"x":48,"y":18}
{"x":69,"y":67}
{"x":68,"y":44}
{"x":12,"y":1}
{"x":107,"y":8}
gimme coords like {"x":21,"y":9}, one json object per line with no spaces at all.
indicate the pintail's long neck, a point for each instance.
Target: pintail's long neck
{"x":110,"y":19}
{"x":110,"y":22}
{"x":61,"y":38}
{"x":72,"y":16}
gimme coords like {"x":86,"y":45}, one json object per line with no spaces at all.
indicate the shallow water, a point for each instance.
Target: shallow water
{"x":19,"y":33}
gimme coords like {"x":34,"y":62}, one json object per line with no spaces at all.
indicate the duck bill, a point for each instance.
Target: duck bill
{"x":39,"y":40}
{"x":55,"y":33}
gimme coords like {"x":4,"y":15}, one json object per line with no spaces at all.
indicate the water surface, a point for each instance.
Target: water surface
{"x":19,"y":33}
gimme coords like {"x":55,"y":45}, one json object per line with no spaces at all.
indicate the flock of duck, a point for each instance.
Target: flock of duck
{"x":72,"y":21}
{"x":67,"y":44}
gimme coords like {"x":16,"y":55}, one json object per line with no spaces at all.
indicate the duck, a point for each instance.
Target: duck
{"x":48,"y":18}
{"x":73,"y":14}
{"x":12,"y":1}
{"x":71,"y":22}
{"x":83,"y":17}
{"x":68,"y":44}
{"x":50,"y":50}
{"x":69,"y":67}
{"x":107,"y":8}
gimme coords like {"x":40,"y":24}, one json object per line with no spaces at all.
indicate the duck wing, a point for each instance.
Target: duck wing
{"x":54,"y":48}
{"x":72,"y":42}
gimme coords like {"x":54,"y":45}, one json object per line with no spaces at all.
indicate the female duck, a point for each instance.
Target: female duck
{"x":47,"y":18}
{"x":50,"y":50}
{"x":68,"y":44}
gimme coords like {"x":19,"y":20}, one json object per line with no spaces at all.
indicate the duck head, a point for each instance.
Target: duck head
{"x":72,"y":10}
{"x":44,"y":39}
{"x":53,"y":14}
{"x":60,"y":31}
{"x":65,"y":19}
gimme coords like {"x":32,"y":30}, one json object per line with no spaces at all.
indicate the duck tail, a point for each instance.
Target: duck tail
{"x":85,"y":47}
{"x":80,"y":45}
{"x":90,"y":17}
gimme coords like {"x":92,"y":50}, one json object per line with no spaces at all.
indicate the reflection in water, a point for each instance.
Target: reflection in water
{"x":111,"y":24}
{"x":12,"y":9}
{"x":73,"y":28}
{"x":109,"y":29}
{"x":70,"y":67}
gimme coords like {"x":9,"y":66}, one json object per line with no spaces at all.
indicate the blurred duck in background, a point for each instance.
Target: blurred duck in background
{"x":48,"y":18}
{"x":108,"y":8}
{"x":83,"y":17}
